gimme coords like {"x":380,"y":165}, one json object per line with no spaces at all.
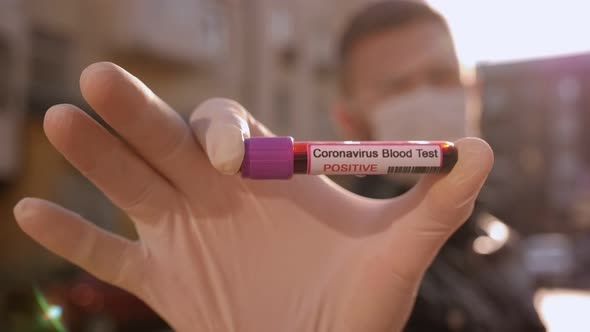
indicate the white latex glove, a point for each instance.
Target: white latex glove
{"x":218,"y":253}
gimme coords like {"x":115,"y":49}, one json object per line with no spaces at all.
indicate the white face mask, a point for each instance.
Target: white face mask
{"x":423,"y":114}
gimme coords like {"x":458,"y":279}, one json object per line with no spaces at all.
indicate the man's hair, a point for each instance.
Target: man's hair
{"x":382,"y":16}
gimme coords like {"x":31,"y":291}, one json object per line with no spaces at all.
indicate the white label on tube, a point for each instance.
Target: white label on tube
{"x":372,"y":159}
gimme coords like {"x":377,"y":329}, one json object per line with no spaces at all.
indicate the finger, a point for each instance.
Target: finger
{"x":150,"y":126}
{"x":445,"y":204}
{"x":126,"y":179}
{"x":105,"y":255}
{"x":221,"y":125}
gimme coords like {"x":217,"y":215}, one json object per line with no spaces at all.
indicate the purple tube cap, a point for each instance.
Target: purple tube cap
{"x":268,"y":158}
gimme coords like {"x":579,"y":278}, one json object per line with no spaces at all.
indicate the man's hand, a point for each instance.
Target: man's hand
{"x":219,"y":253}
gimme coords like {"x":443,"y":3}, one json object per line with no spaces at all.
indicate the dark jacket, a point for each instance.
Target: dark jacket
{"x":463,"y":290}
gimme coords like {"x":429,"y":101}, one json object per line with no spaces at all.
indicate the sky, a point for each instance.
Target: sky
{"x":504,"y":30}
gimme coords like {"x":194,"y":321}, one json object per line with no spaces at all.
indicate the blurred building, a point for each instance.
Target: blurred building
{"x":290,"y":73}
{"x":273,"y":55}
{"x":13,"y":54}
{"x":534,"y":116}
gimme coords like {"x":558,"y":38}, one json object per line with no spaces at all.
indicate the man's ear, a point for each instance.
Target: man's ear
{"x":348,"y":124}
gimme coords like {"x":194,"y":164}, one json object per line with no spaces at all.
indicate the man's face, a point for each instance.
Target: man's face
{"x":395,"y":62}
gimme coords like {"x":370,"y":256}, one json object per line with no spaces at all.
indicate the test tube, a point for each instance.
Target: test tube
{"x":281,"y":157}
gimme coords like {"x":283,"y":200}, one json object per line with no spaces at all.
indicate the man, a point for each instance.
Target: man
{"x":401,"y":81}
{"x":219,"y":253}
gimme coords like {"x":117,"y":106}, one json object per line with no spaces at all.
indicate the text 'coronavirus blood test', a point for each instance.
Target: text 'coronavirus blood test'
{"x":281,"y":157}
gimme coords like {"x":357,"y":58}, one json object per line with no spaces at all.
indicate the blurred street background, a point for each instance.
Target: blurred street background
{"x":526,"y":62}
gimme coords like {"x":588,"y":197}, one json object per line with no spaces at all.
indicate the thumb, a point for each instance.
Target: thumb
{"x":442,"y":205}
{"x":448,"y":202}
{"x":220,"y":126}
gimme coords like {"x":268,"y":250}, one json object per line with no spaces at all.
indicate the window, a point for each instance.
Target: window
{"x":50,"y":57}
{"x":6,"y":77}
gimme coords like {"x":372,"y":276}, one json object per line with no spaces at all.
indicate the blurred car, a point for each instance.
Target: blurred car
{"x":88,"y":304}
{"x":550,"y":258}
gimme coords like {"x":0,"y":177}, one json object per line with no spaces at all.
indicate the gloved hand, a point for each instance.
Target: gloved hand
{"x":219,"y":253}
